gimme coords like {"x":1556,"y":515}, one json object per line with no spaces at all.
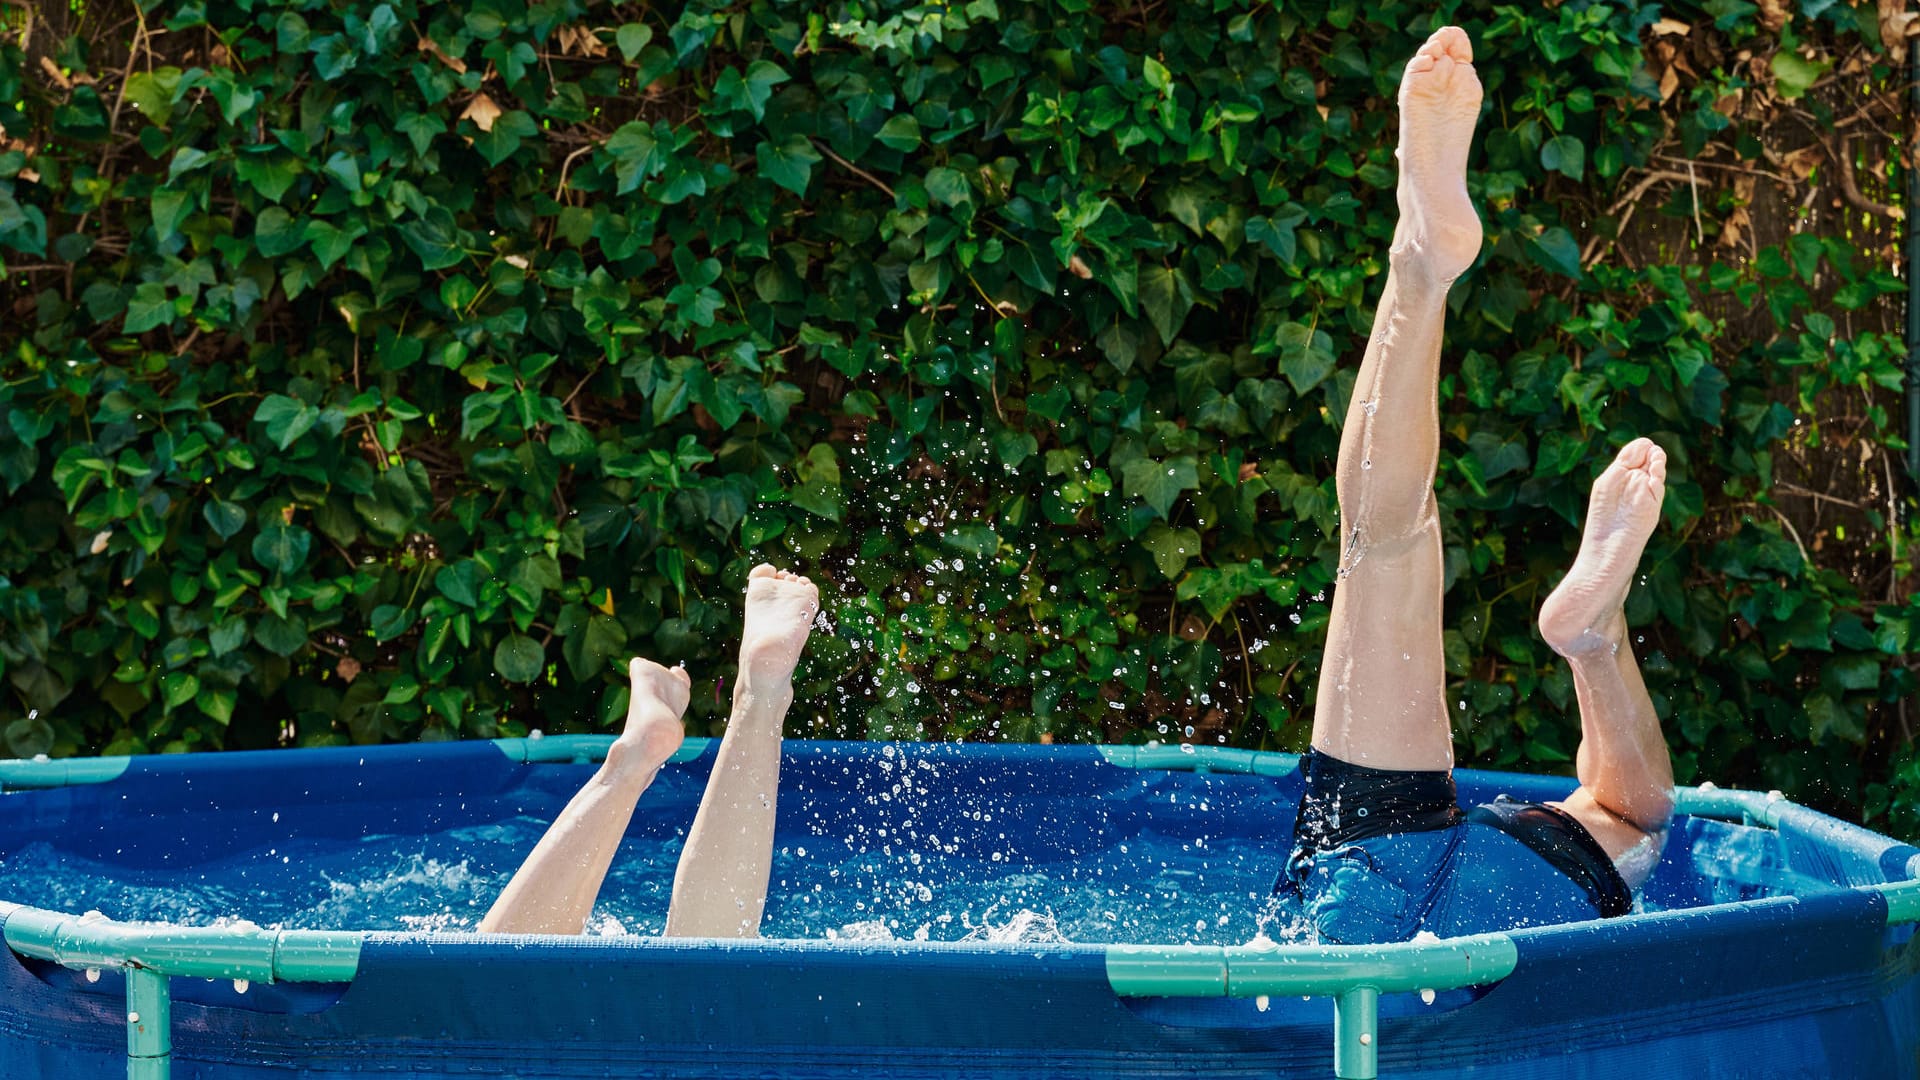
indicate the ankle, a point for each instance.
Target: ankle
{"x":760,"y":694}
{"x":1600,"y":642}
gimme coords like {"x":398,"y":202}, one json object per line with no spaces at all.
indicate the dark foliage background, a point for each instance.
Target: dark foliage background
{"x":378,"y":371}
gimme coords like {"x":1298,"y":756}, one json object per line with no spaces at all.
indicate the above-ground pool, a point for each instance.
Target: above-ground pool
{"x":936,"y":910}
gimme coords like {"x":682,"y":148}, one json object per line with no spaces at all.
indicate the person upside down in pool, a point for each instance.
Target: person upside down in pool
{"x":1382,"y":851}
{"x":720,"y":886}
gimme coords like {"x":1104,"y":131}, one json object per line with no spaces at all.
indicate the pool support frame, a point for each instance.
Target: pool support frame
{"x":1354,"y":976}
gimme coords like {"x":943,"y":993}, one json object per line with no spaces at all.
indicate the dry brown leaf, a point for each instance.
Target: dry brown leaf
{"x":348,"y":669}
{"x":286,"y":514}
{"x":482,"y":111}
{"x":1670,"y":27}
{"x":1079,"y":268}
{"x":1669,"y":84}
{"x":1897,"y":24}
{"x":100,"y":540}
{"x":580,"y":41}
{"x":1800,"y":163}
{"x":1738,"y":221}
{"x":31,"y":176}
{"x":1774,"y":14}
{"x":428,"y":45}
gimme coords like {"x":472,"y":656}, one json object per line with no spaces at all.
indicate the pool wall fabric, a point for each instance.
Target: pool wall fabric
{"x":1782,"y":947}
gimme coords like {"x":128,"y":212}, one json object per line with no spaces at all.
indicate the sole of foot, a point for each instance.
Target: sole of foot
{"x":1439,"y":105}
{"x":658,"y":698}
{"x":1585,"y":613}
{"x":781,"y":607}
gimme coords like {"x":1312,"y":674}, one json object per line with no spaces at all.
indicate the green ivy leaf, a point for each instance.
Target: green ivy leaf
{"x":333,"y":56}
{"x":281,"y":636}
{"x":503,"y":139}
{"x":1159,"y":483}
{"x":217,"y":704}
{"x":519,"y":658}
{"x":979,"y":541}
{"x":636,"y":155}
{"x":900,"y":133}
{"x":282,"y":548}
{"x":286,"y":418}
{"x":1171,"y":548}
{"x":1794,"y":75}
{"x":790,"y":164}
{"x":227,"y":635}
{"x":631,"y":38}
{"x":435,"y":238}
{"x":1166,"y":296}
{"x":170,"y":208}
{"x":226,"y":518}
{"x":177,"y":688}
{"x":819,"y":490}
{"x":275,"y":233}
{"x":329,"y":242}
{"x":1566,"y":155}
{"x":1306,"y":356}
{"x":269,"y":174}
{"x":1557,"y":250}
{"x":948,"y":186}
{"x":148,"y":309}
{"x":1157,"y":76}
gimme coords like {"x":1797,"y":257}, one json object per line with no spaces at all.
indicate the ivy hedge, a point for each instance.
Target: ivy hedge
{"x":381,"y":371}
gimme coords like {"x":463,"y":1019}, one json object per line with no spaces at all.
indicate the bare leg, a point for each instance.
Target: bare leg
{"x":720,"y":888}
{"x":1626,"y":777}
{"x":1382,"y":697}
{"x":554,"y":890}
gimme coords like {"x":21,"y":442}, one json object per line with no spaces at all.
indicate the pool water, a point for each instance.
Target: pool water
{"x":911,"y":847}
{"x":859,"y":886}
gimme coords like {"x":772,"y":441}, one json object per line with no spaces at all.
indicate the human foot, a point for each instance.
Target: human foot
{"x":1439,"y":104}
{"x":1585,"y":614}
{"x":780,"y":611}
{"x":653,"y":732}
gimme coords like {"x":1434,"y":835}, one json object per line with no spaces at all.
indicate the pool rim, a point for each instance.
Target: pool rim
{"x":1354,"y":976}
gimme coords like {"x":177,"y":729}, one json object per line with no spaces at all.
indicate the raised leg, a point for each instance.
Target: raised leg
{"x":1626,"y":776}
{"x":1382,"y":696}
{"x":554,"y":890}
{"x":720,"y":887}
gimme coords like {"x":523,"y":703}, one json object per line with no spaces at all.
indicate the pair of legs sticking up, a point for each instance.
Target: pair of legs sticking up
{"x":1382,"y":851}
{"x":720,"y":886}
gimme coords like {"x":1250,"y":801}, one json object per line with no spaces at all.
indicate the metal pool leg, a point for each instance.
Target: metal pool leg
{"x":1356,"y":1015}
{"x":149,"y":1025}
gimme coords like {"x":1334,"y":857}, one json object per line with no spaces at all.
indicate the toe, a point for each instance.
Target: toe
{"x":763,"y":570}
{"x":1634,"y":454}
{"x":1421,"y":63}
{"x":1454,"y":42}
